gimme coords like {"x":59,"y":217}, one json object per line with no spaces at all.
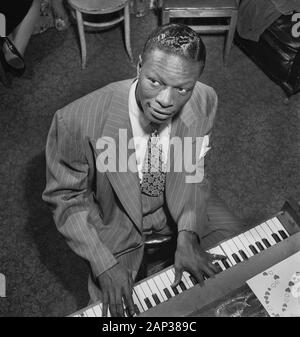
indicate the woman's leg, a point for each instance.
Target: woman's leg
{"x":21,"y":35}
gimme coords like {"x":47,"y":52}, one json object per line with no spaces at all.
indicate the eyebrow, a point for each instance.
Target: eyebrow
{"x":186,"y":84}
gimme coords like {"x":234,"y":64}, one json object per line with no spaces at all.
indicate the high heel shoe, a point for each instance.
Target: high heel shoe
{"x":15,"y":65}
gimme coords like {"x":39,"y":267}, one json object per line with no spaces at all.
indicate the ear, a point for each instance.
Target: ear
{"x":139,"y":65}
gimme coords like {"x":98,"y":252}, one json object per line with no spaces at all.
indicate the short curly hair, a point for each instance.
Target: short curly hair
{"x":177,"y":39}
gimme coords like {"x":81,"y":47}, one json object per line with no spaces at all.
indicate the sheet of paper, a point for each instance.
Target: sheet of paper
{"x":278,"y":288}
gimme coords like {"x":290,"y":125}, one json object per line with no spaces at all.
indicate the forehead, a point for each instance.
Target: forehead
{"x":170,"y":66}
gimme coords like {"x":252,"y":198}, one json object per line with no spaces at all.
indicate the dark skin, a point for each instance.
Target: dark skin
{"x":165,"y":84}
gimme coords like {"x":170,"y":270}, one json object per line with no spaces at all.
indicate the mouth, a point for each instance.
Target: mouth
{"x":159,"y":114}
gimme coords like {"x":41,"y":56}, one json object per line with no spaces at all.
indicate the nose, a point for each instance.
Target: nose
{"x":164,"y":98}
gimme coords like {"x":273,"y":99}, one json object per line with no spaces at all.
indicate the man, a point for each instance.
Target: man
{"x":105,"y":210}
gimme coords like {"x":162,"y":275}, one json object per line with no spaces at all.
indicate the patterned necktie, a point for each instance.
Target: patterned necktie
{"x":154,"y":174}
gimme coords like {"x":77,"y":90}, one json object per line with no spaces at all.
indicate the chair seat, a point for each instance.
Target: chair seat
{"x":98,"y":6}
{"x":200,"y":4}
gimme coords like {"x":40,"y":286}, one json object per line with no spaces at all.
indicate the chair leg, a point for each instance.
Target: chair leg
{"x":165,"y":17}
{"x":230,"y":36}
{"x":127,"y":31}
{"x":81,"y":38}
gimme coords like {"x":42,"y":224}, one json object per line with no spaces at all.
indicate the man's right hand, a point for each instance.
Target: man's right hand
{"x":116,"y":285}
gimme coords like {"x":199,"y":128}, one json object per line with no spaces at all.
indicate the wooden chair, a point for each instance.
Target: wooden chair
{"x":101,"y":7}
{"x":204,"y":9}
{"x":2,"y":25}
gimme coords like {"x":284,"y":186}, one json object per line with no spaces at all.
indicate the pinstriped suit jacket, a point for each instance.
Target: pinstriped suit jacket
{"x":100,"y":214}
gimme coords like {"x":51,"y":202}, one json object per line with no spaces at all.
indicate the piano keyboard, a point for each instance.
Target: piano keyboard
{"x":157,"y":289}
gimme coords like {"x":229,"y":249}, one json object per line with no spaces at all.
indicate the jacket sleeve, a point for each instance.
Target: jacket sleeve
{"x":193,"y":217}
{"x":75,"y":213}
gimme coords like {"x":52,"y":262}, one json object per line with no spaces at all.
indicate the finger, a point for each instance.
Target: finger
{"x":199,"y":277}
{"x":218,"y":257}
{"x":119,"y":304}
{"x":112,"y":304}
{"x":120,"y":309}
{"x":208,"y":271}
{"x":105,"y":305}
{"x":131,"y":282}
{"x":214,"y":267}
{"x":177,"y":278}
{"x":129,"y":302}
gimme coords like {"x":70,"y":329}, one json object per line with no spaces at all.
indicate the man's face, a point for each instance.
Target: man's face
{"x":165,"y":84}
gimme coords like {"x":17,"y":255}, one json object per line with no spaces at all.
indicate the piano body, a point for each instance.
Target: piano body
{"x":248,"y":254}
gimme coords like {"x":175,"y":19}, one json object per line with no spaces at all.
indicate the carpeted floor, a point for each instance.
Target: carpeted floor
{"x":254,"y":165}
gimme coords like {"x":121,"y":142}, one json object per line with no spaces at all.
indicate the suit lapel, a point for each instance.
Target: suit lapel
{"x":125,"y":180}
{"x":184,"y":125}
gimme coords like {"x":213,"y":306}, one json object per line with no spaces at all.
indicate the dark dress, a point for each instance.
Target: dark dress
{"x":14,"y":11}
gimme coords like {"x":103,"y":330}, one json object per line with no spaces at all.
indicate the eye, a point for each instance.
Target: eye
{"x":183,"y":91}
{"x":154,"y":82}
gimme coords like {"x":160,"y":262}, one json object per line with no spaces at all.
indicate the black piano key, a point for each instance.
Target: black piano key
{"x":148,"y":303}
{"x":226,"y":264}
{"x":283,"y":235}
{"x":243,"y":255}
{"x":176,"y":292}
{"x":194,"y":281}
{"x":168,"y":294}
{"x":276,"y":237}
{"x":156,"y":299}
{"x":182,"y":286}
{"x":236,"y":258}
{"x":218,"y":266}
{"x":266,"y":242}
{"x":253,"y":249}
{"x":260,"y":246}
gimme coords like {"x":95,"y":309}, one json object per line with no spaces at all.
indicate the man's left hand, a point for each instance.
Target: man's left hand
{"x":192,"y":258}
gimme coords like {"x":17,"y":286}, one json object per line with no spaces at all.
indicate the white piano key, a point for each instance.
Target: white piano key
{"x":219,"y":251}
{"x":246,"y":244}
{"x":234,"y":249}
{"x":160,"y":285}
{"x":186,"y":275}
{"x":136,"y":301}
{"x":148,"y":293}
{"x":98,"y":310}
{"x":271,"y":226}
{"x":167,"y":283}
{"x":154,"y":289}
{"x":90,"y":312}
{"x":273,"y":229}
{"x":183,"y":280}
{"x":267,"y":230}
{"x":251,"y":240}
{"x":258,"y":237}
{"x":263,"y":235}
{"x":279,"y":225}
{"x":241,"y":249}
{"x":228,"y":252}
{"x":141,"y":296}
{"x":242,"y":246}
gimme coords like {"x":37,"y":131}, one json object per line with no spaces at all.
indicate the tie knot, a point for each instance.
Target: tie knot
{"x":153,"y":129}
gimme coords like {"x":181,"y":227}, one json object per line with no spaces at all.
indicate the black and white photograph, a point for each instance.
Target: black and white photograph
{"x":149,"y":161}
